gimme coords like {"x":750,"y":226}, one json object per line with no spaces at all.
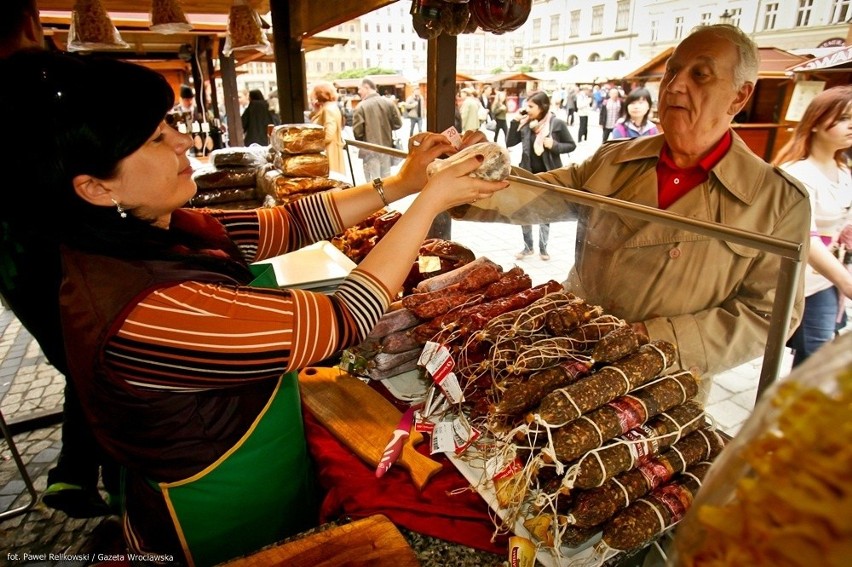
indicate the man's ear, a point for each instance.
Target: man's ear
{"x":92,"y":190}
{"x":742,"y":97}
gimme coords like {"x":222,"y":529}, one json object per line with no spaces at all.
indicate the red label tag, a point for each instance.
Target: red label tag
{"x":655,"y":472}
{"x":510,"y":470}
{"x":630,"y":412}
{"x":676,"y":499}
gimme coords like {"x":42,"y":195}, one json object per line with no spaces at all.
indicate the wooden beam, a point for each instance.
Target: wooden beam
{"x":232,"y":101}
{"x":189,"y":6}
{"x":309,"y":17}
{"x":441,"y":80}
{"x":290,"y":63}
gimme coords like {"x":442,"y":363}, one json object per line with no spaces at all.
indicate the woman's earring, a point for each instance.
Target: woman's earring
{"x":122,"y":213}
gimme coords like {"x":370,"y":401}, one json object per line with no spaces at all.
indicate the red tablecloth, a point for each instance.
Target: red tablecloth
{"x":351,"y":488}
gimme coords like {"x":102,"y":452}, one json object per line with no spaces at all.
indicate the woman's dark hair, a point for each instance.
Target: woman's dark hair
{"x":541,"y":100}
{"x":637,"y":94}
{"x":77,"y":126}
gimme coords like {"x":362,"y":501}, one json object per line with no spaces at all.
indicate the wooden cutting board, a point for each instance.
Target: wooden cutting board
{"x":361,"y":419}
{"x":370,"y":542}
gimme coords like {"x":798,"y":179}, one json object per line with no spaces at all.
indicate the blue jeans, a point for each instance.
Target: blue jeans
{"x":819,"y":324}
{"x":543,"y":234}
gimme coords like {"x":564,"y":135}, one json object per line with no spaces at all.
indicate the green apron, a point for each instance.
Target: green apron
{"x":256,"y":494}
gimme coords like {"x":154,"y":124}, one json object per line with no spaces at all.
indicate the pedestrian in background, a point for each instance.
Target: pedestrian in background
{"x":256,"y":117}
{"x":327,"y":114}
{"x":584,"y":108}
{"x":543,"y":138}
{"x":414,"y":111}
{"x":469,"y":110}
{"x":499,"y":109}
{"x":610,"y":111}
{"x":374,"y":121}
{"x":635,"y":113}
{"x":815,"y":156}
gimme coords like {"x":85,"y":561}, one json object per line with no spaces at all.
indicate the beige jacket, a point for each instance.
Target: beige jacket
{"x":711,"y":298}
{"x":329,"y":117}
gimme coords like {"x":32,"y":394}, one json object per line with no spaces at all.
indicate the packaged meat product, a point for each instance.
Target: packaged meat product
{"x":245,"y":30}
{"x":239,"y":157}
{"x":271,"y":181}
{"x":495,"y":167}
{"x":298,"y":138}
{"x":91,"y":28}
{"x":302,"y":165}
{"x":167,"y":17}
{"x":214,"y":178}
{"x":219,"y":196}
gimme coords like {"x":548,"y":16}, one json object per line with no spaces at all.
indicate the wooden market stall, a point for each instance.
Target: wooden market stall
{"x":761,"y":123}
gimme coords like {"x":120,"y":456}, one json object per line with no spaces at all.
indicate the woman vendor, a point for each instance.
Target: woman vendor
{"x":185,"y":370}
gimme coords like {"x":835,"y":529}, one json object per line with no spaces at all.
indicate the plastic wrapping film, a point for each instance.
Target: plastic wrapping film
{"x":254,"y":156}
{"x":780,"y":492}
{"x":220,"y":196}
{"x":298,"y":138}
{"x":215,"y":178}
{"x":245,"y":30}
{"x":167,"y":17}
{"x":302,"y":165}
{"x":518,"y":204}
{"x":91,"y":28}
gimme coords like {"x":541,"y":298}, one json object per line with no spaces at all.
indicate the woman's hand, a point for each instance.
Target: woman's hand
{"x":548,"y":142}
{"x":423,"y":149}
{"x":454,"y":186}
{"x":472,"y":137}
{"x":845,"y":237}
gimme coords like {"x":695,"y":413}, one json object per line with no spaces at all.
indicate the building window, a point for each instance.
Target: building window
{"x":769,"y":16}
{"x":367,"y":44}
{"x":573,"y":60}
{"x":594,"y":57}
{"x":554,"y":27}
{"x":737,"y":16}
{"x":840,"y":11}
{"x":536,"y":30}
{"x":342,"y":66}
{"x":706,"y":18}
{"x":619,"y":56}
{"x":351,"y":28}
{"x":655,"y":30}
{"x":574,"y":27}
{"x":330,"y":66}
{"x":389,"y":28}
{"x":803,"y":16}
{"x":319,"y":66}
{"x":597,"y":19}
{"x":622,"y":15}
{"x":366,"y":27}
{"x":678,"y":27}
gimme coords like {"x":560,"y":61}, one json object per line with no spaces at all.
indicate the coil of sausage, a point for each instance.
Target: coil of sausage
{"x":622,"y":414}
{"x":659,"y":433}
{"x":643,"y":520}
{"x":526,"y":394}
{"x":567,"y":404}
{"x":595,"y":506}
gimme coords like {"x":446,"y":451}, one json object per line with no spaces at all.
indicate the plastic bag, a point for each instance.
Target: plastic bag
{"x":780,"y":493}
{"x":91,"y":28}
{"x":167,"y":17}
{"x":245,"y":30}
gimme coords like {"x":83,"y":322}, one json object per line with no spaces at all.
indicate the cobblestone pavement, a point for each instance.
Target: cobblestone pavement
{"x":29,"y":384}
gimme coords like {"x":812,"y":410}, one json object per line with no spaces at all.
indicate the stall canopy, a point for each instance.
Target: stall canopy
{"x":838,"y":60}
{"x":380,"y":81}
{"x":503,"y":77}
{"x":591,"y":72}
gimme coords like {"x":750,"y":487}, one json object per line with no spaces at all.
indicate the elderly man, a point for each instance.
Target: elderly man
{"x":709,"y":297}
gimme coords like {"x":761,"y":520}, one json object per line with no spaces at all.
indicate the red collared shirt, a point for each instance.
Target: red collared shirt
{"x":674,"y":182}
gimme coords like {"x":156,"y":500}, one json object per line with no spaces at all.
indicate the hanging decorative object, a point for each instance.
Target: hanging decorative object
{"x":245,"y":30}
{"x":91,"y":28}
{"x":454,"y":18}
{"x":500,"y":16}
{"x":167,"y":17}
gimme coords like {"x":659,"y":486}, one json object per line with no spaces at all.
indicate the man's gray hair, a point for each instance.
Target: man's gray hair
{"x":746,"y":68}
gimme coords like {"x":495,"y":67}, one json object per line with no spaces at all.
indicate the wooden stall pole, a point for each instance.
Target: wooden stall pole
{"x":441,"y":104}
{"x":289,"y":65}
{"x":232,"y":100}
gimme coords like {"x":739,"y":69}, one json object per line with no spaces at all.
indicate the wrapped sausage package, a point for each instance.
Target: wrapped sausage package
{"x":213,"y":178}
{"x":495,"y":167}
{"x":780,"y":492}
{"x":91,"y":28}
{"x":298,"y":138}
{"x":518,"y":204}
{"x":167,"y":17}
{"x":254,"y":156}
{"x":302,"y":165}
{"x":245,"y":30}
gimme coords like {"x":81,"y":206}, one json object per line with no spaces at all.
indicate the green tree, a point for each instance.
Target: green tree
{"x":358,"y":73}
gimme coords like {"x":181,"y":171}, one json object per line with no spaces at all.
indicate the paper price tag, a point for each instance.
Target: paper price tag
{"x":449,"y":384}
{"x":428,"y":264}
{"x":195,"y":128}
{"x":442,"y":438}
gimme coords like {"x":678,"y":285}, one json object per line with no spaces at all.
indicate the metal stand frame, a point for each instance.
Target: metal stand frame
{"x":12,"y":512}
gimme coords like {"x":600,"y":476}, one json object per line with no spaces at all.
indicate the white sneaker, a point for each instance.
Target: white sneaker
{"x":523,"y":254}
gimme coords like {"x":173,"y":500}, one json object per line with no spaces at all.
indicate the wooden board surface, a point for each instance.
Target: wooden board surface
{"x":373,"y":542}
{"x":361,"y":419}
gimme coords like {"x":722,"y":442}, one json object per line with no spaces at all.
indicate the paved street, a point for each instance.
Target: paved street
{"x":28,"y":384}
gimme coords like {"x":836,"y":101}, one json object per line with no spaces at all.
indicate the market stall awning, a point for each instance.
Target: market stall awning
{"x":379,"y":80}
{"x":590,"y":72}
{"x":840,"y":59}
{"x":503,"y":77}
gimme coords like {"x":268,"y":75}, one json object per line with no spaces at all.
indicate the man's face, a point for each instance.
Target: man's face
{"x":698,"y":97}
{"x":363,"y":91}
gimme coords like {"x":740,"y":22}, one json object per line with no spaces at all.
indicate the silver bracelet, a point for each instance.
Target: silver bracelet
{"x":379,"y":186}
